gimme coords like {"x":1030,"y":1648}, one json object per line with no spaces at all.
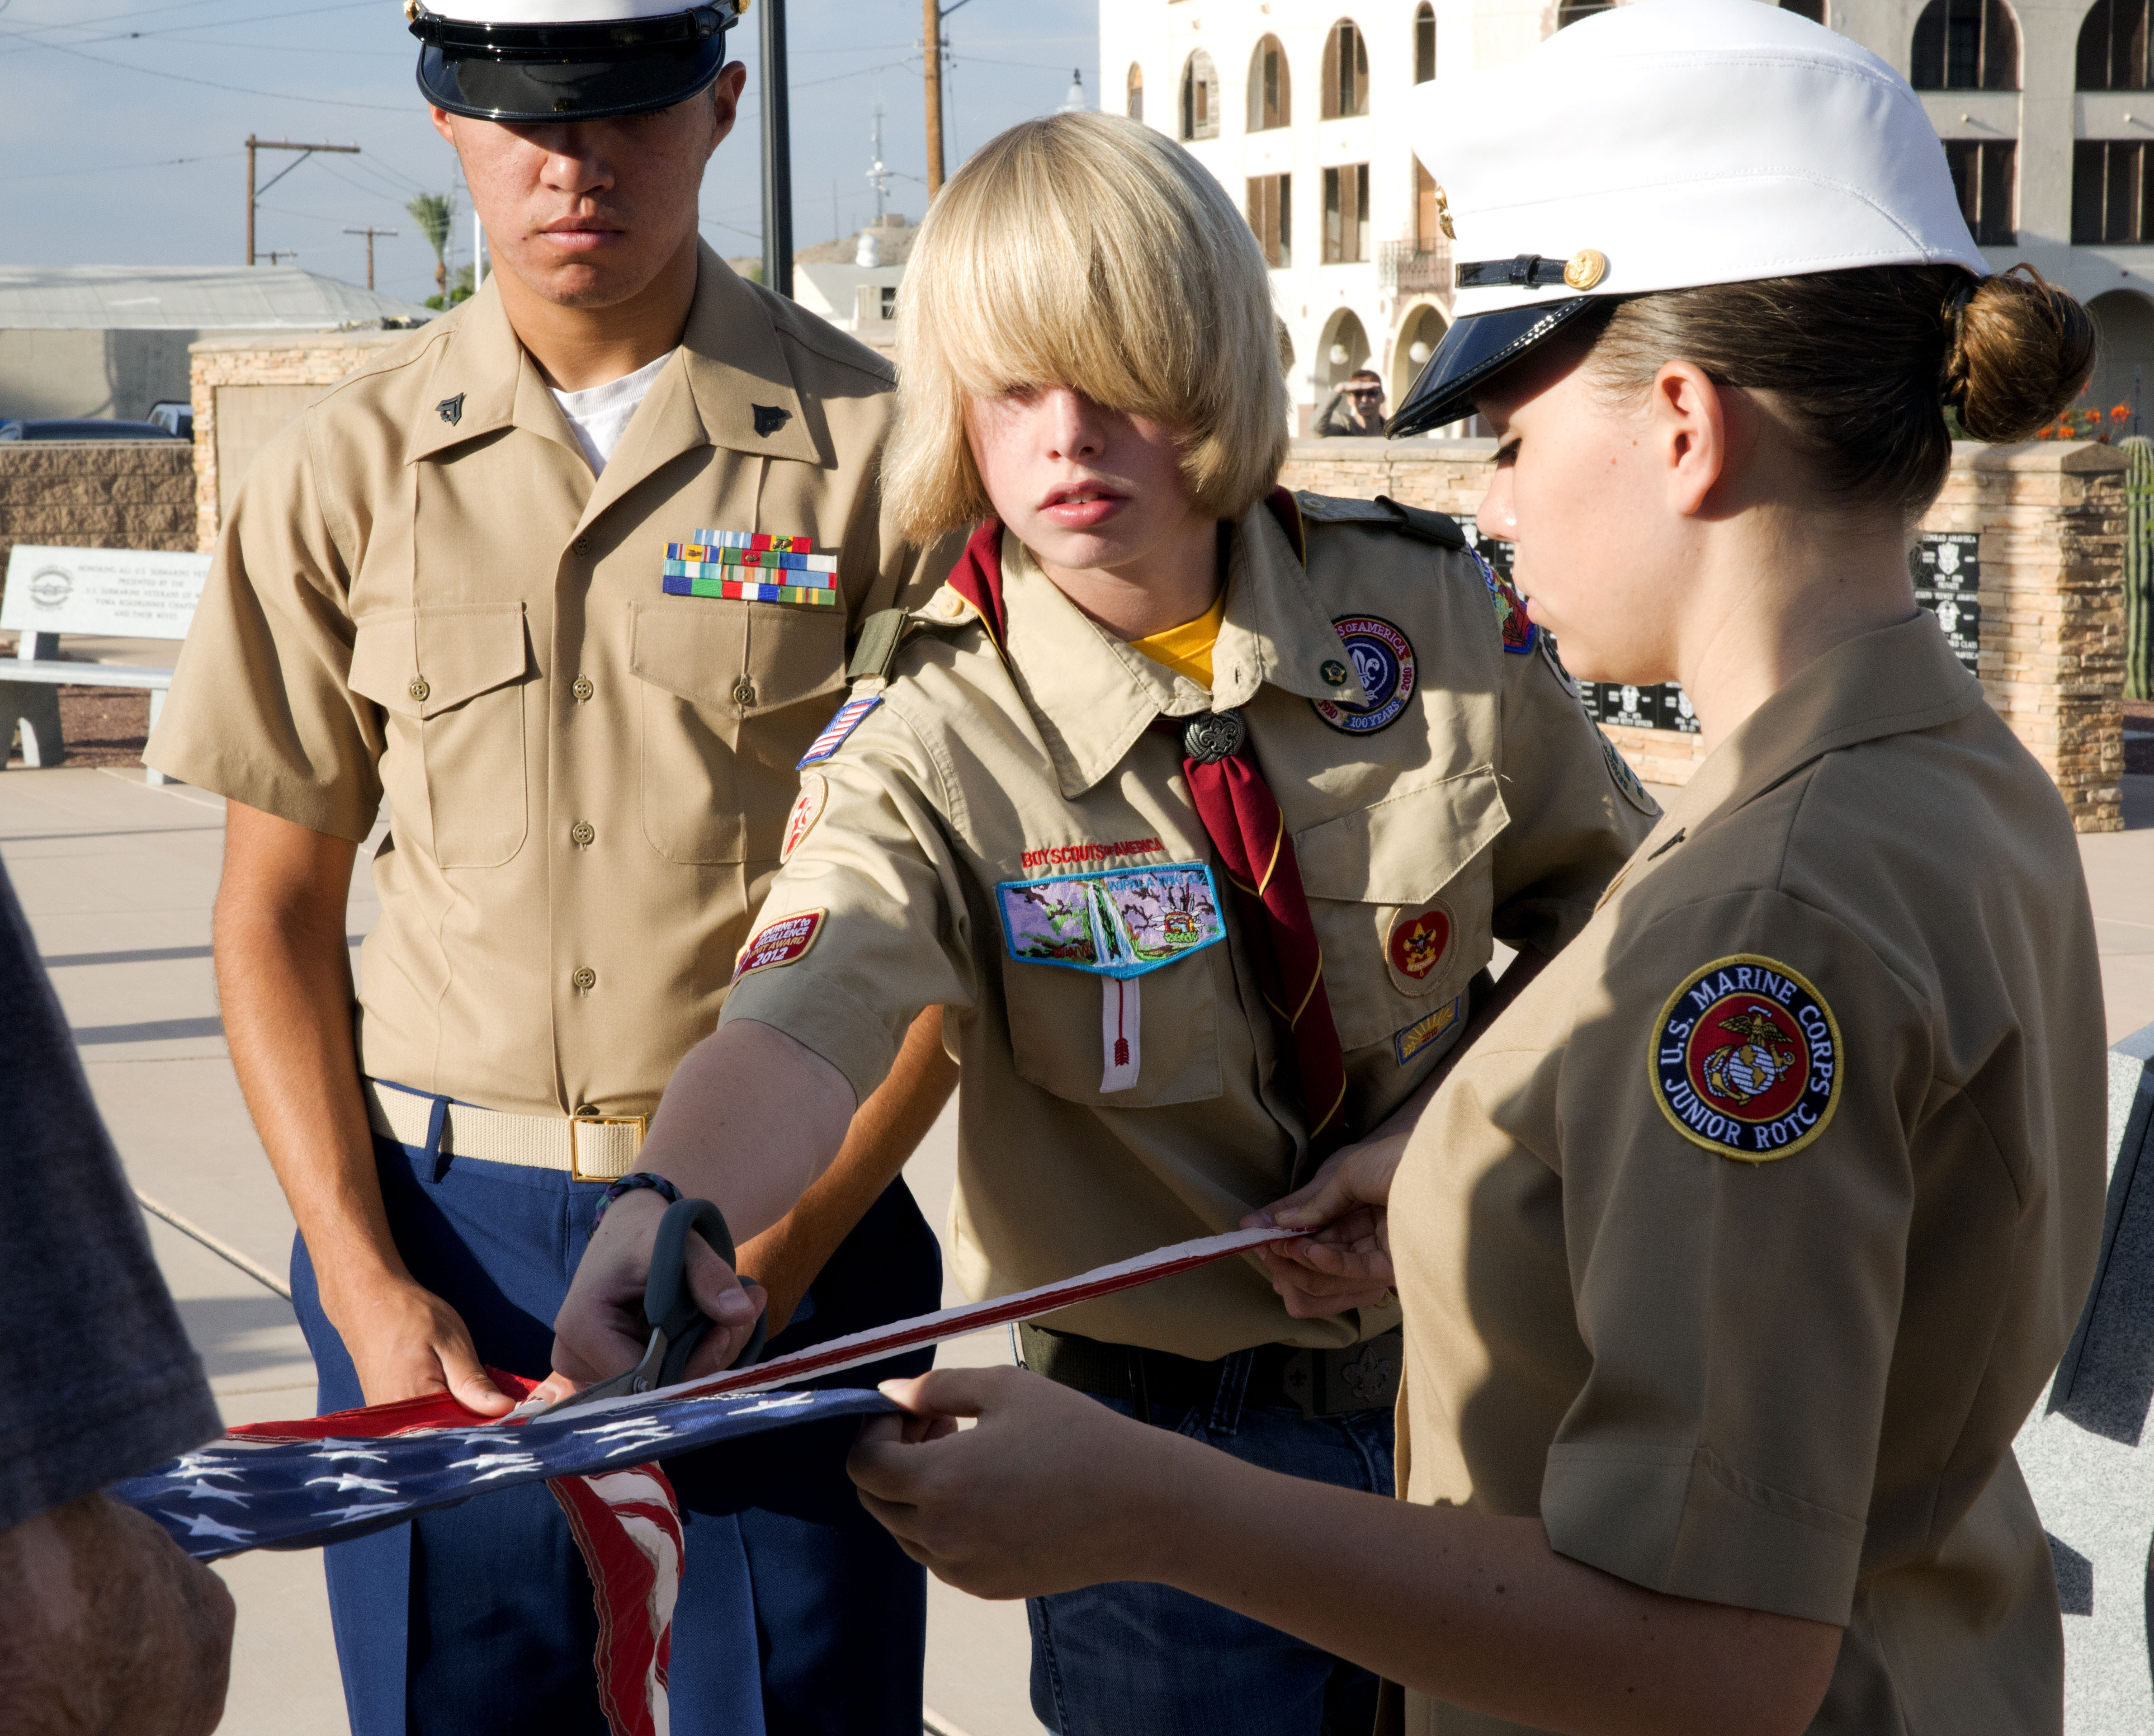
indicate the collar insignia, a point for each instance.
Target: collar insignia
{"x":769,"y":418}
{"x":451,"y":409}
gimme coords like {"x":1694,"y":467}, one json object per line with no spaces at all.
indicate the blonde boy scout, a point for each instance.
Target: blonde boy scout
{"x":497,"y":579}
{"x":1161,"y":1026}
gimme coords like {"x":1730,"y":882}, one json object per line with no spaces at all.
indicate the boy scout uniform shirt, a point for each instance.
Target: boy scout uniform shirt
{"x":1739,"y":1248}
{"x":422,"y":590}
{"x":1483,"y":807}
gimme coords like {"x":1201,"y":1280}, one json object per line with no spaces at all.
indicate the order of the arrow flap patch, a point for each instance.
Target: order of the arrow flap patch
{"x":1745,"y":1060}
{"x":1121,"y":923}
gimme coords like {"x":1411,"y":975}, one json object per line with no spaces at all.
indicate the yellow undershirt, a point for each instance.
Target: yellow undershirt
{"x":1186,"y":650}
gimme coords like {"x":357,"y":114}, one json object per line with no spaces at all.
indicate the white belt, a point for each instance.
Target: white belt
{"x":588,"y":1148}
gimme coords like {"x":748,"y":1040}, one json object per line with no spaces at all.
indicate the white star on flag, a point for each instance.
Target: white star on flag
{"x":201,"y":1525}
{"x":364,"y":1509}
{"x":344,"y":1482}
{"x":203,"y":1492}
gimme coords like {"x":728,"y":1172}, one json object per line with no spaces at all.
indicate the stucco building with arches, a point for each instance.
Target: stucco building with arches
{"x":2045,"y":107}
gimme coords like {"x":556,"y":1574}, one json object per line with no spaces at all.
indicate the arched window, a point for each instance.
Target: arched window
{"x":1271,"y":100}
{"x":1569,"y":12}
{"x":1424,"y":43}
{"x":1134,"y":106}
{"x":1345,"y":71}
{"x":1814,"y":10}
{"x":1200,"y":98}
{"x":1966,"y":45}
{"x":2113,"y":46}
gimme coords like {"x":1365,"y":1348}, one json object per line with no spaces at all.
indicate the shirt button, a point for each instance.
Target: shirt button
{"x":585,"y":978}
{"x":582,"y":687}
{"x":419,"y":689}
{"x":585,"y":1111}
{"x":743,"y":692}
{"x":583,"y":831}
{"x":582,"y":545}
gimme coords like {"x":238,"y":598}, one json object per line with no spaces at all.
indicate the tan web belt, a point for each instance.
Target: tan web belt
{"x":588,"y":1148}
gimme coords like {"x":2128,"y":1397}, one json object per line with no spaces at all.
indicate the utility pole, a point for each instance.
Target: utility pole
{"x":305,"y":151}
{"x":776,"y":153}
{"x":370,"y":234}
{"x":933,"y":48}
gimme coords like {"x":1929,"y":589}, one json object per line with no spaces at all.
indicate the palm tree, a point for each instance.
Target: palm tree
{"x":430,"y":212}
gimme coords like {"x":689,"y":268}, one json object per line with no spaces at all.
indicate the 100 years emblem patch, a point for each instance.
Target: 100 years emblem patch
{"x":1745,"y":1060}
{"x":1384,"y":661}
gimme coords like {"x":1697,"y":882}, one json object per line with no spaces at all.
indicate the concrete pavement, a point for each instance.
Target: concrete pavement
{"x":117,"y":877}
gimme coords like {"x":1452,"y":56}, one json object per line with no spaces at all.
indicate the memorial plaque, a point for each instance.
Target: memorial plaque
{"x":1624,"y":703}
{"x":123,"y":593}
{"x":1672,"y":709}
{"x":1946,"y":568}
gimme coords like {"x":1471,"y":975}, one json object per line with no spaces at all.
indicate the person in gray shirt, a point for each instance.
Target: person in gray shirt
{"x":104,"y":1624}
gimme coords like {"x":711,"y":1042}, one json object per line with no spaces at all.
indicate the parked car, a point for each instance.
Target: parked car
{"x":81,"y":427}
{"x":175,"y":418}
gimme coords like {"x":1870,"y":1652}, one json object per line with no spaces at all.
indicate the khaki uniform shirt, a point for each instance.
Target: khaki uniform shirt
{"x":1484,"y":809}
{"x":1739,"y":1248}
{"x":423,"y":591}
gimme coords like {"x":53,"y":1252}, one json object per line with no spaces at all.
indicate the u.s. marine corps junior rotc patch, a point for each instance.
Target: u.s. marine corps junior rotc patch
{"x":1745,"y":1060}
{"x":783,"y":942}
{"x":807,"y":808}
{"x":1383,"y":657}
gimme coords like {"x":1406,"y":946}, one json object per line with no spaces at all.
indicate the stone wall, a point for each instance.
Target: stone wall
{"x":97,"y":494}
{"x":245,"y":389}
{"x":2050,"y":517}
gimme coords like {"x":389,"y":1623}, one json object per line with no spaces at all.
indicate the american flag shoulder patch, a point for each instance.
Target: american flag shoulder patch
{"x":849,"y":716}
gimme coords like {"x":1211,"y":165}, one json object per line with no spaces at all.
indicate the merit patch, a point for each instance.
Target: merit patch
{"x":849,"y":716}
{"x":1407,"y":1043}
{"x":1418,"y":943}
{"x":1511,"y":618}
{"x":807,"y":808}
{"x":785,"y":942}
{"x":1745,"y":1060}
{"x":1384,"y":660}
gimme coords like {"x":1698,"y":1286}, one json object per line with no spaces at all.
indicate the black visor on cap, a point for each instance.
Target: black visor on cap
{"x":1473,"y":352}
{"x":570,"y":72}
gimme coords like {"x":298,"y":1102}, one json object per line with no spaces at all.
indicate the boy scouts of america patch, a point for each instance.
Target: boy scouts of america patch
{"x":783,"y":942}
{"x":1384,"y":660}
{"x":1745,"y":1060}
{"x":1511,"y":617}
{"x":849,"y":716}
{"x":807,"y":808}
{"x":1417,"y":946}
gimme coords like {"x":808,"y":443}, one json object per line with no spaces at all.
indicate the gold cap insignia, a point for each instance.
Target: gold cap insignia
{"x":1443,"y":216}
{"x":1585,"y":268}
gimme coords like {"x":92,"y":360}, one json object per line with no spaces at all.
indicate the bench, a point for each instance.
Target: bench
{"x":115,"y":592}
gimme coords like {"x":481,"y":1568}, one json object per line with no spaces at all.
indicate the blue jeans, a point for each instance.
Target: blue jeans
{"x":1117,"y":1659}
{"x":797,"y":1616}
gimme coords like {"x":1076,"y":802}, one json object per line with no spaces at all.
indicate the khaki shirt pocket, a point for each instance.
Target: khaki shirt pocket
{"x":733,"y":692}
{"x":1056,"y":1040}
{"x":452,"y":679}
{"x":1401,"y":897}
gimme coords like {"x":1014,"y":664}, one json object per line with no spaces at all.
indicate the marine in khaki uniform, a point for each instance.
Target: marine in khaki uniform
{"x":1733,"y":1253}
{"x":517,"y":577}
{"x":1199,"y":814}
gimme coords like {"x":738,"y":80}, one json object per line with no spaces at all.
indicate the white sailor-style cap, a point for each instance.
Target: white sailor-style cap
{"x":1661,"y":146}
{"x":532,"y":60}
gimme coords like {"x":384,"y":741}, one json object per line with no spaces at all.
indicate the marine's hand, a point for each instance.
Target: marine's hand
{"x":600,"y":1331}
{"x":1050,"y":1491}
{"x":406,"y":1342}
{"x":105,"y":1624}
{"x":1345,"y":1262}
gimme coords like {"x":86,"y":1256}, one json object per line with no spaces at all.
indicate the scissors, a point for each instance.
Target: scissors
{"x":676,"y":1325}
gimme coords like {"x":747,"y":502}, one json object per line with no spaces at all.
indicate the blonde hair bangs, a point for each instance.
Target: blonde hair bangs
{"x":1090,"y":251}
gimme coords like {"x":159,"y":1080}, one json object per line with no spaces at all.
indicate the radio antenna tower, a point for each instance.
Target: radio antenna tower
{"x":878,"y":176}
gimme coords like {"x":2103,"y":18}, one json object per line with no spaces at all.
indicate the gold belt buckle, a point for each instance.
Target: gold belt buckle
{"x":640,"y":1123}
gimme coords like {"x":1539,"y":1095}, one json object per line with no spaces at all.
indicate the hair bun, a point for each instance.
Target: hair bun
{"x":2016,"y":351}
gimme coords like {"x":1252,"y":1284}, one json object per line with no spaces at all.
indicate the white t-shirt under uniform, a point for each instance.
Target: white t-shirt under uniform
{"x":600,"y":415}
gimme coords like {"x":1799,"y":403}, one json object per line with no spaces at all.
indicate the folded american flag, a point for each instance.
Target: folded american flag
{"x":322,"y":1479}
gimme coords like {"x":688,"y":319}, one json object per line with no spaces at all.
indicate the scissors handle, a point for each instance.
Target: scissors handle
{"x":668,"y":1304}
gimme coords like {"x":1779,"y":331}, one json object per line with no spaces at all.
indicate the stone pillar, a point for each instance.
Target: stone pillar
{"x":2050,"y":518}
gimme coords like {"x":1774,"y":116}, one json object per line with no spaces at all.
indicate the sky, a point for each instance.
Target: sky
{"x":123,"y":124}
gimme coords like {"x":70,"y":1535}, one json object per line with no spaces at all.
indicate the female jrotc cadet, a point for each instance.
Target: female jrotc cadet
{"x":1734,"y":1252}
{"x":1201,"y":807}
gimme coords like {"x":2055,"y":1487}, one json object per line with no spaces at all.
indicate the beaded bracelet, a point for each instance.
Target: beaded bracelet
{"x":628,"y":1184}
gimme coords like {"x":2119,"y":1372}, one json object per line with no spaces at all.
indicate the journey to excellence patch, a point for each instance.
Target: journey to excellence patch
{"x":783,"y":942}
{"x":1384,"y":661}
{"x":1745,"y":1060}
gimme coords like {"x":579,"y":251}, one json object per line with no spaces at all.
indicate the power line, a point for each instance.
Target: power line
{"x":116,"y":168}
{"x":151,"y":72}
